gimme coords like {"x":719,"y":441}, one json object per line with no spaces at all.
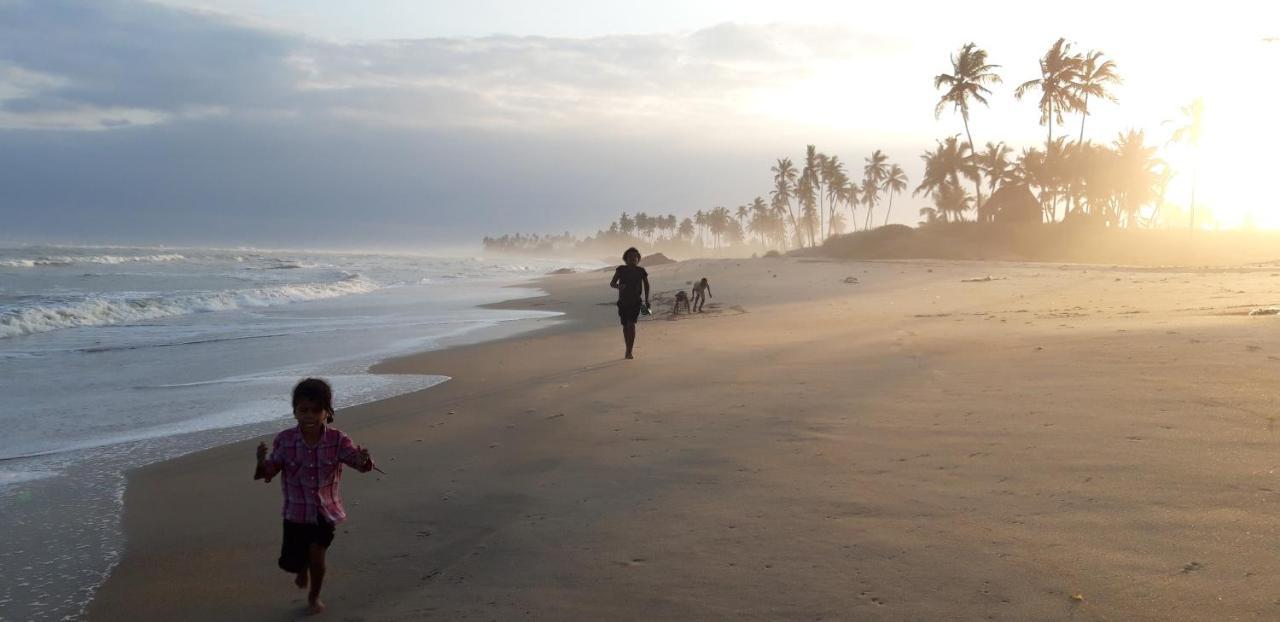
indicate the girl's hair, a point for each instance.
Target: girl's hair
{"x":704,"y":279}
{"x":628,"y":252}
{"x":316,"y":391}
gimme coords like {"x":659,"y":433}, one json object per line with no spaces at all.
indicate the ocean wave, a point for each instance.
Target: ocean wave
{"x":39,"y":262}
{"x":104,"y":311}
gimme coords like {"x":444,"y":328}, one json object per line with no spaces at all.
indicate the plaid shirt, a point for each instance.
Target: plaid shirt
{"x":312,"y":474}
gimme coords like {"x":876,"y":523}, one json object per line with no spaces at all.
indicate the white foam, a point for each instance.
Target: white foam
{"x":91,"y":259}
{"x":101,"y":311}
{"x":351,"y":390}
{"x":8,"y":478}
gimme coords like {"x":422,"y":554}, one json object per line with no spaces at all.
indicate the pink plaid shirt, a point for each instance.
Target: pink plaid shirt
{"x":312,"y":473}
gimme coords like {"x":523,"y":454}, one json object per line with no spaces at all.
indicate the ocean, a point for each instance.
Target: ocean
{"x":113,"y":358}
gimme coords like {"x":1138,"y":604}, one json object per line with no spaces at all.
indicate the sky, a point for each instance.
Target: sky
{"x":414,"y":125}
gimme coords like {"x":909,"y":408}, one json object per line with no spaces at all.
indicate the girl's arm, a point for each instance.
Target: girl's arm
{"x":646,"y":290}
{"x":614,"y":282}
{"x":709,"y":291}
{"x":355,"y":457}
{"x":267,"y":466}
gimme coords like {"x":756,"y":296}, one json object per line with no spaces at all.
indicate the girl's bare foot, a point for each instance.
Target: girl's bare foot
{"x":301,"y":580}
{"x":315,"y":607}
{"x":629,"y":356}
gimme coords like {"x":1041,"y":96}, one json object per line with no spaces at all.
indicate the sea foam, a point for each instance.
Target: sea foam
{"x":102,"y":311}
{"x":88,"y":259}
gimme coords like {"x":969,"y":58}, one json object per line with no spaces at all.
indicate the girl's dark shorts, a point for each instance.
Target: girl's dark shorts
{"x":295,"y":552}
{"x":628,"y":313}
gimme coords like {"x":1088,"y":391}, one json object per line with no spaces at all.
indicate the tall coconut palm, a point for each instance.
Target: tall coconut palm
{"x":952,"y":201}
{"x":759,"y":223}
{"x":1059,"y":74}
{"x":784,"y":180}
{"x":837,"y":223}
{"x":807,"y":195}
{"x":876,"y":169}
{"x":1095,"y":76}
{"x":809,"y":188}
{"x":833,"y":180}
{"x":852,"y":197}
{"x":686,"y":230}
{"x":995,"y":164}
{"x":1188,"y":131}
{"x":950,"y":161}
{"x":894,"y":183}
{"x":742,"y":213}
{"x":626,"y":224}
{"x":1140,"y":173}
{"x":970,"y":73}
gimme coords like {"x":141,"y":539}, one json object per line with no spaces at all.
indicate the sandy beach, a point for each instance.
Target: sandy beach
{"x":832,"y":440}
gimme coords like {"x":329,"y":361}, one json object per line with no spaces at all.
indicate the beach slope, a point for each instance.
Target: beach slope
{"x":916,"y":440}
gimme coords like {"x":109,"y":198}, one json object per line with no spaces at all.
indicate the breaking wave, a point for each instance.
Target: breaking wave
{"x":103,"y":311}
{"x":88,"y":259}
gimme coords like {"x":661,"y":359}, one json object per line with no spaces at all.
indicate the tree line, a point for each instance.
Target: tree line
{"x":1122,"y":182}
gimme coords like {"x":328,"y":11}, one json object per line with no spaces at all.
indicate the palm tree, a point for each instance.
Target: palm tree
{"x":852,"y":196}
{"x":952,"y":201}
{"x":994,"y":162}
{"x":1140,"y":173}
{"x":809,"y":190}
{"x":1095,"y":75}
{"x":970,"y":72}
{"x":834,"y":179}
{"x":895,"y":182}
{"x":1059,"y":74}
{"x":837,"y":223}
{"x":807,"y":194}
{"x":686,"y":229}
{"x":626,"y":224}
{"x":784,"y":179}
{"x":930,"y":215}
{"x":760,"y":217}
{"x":1191,"y":124}
{"x":946,"y":164}
{"x":873,"y":173}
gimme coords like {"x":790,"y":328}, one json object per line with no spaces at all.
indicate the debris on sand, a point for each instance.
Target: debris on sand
{"x":852,"y":280}
{"x":1265,"y":311}
{"x":983,"y":279}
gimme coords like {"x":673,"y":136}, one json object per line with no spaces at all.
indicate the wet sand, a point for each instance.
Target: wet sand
{"x":831,"y":440}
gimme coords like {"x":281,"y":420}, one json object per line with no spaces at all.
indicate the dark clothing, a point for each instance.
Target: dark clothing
{"x":630,"y":285}
{"x":628,"y":312}
{"x":295,"y":551}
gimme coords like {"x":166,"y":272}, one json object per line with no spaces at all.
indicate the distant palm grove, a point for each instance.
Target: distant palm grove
{"x":1121,"y":183}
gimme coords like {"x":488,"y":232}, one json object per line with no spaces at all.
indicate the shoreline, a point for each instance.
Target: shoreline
{"x":836,"y":440}
{"x":100,"y":538}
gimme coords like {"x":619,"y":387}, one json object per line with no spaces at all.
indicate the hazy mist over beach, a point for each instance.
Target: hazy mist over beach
{"x":929,"y":310}
{"x":293,"y":124}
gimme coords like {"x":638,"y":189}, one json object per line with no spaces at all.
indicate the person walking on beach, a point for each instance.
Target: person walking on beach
{"x":628,"y":279}
{"x":311,"y":456}
{"x":701,"y":292}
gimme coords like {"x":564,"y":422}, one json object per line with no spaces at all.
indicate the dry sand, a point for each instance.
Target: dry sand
{"x":835,"y":441}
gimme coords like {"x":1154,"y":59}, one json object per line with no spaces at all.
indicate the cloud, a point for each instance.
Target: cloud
{"x":106,"y":60}
{"x":131,"y":121}
{"x":114,"y":63}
